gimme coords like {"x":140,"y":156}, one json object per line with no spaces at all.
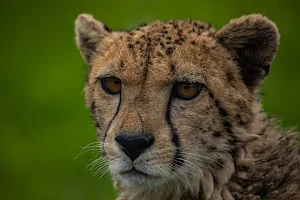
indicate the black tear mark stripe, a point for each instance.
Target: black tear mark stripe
{"x":93,"y":107}
{"x":177,"y":160}
{"x":116,"y":113}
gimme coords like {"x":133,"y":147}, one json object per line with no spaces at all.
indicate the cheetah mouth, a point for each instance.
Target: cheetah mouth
{"x":135,"y":173}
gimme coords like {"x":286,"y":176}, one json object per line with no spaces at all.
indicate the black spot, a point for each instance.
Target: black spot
{"x":130,"y":46}
{"x":203,"y":141}
{"x":83,"y":38}
{"x":168,"y":38}
{"x":211,"y":95}
{"x":193,"y":42}
{"x":223,"y":112}
{"x":122,"y":64}
{"x":107,"y":28}
{"x":217,"y":133}
{"x":262,"y":131}
{"x":217,"y":103}
{"x":212,"y":148}
{"x":137,"y":42}
{"x":177,"y":42}
{"x":93,"y":107}
{"x":216,"y":180}
{"x":261,"y":192}
{"x":172,"y":68}
{"x":242,"y":123}
{"x":179,"y":33}
{"x":228,"y":130}
{"x":230,"y":77}
{"x":97,"y":125}
{"x":159,"y":54}
{"x":142,"y":24}
{"x":227,"y":124}
{"x":182,"y":108}
{"x":169,"y":50}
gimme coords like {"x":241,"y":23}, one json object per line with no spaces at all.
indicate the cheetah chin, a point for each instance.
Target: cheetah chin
{"x":177,"y":110}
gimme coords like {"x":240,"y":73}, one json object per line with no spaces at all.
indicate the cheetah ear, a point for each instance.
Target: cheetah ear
{"x":89,"y":34}
{"x":253,"y":40}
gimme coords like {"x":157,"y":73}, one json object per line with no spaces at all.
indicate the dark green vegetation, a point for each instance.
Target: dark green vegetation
{"x":42,"y":112}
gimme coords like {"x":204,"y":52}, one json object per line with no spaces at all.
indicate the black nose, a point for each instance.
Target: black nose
{"x":133,"y":146}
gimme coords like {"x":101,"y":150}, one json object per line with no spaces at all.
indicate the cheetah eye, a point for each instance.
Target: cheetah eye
{"x":187,"y":90}
{"x":111,"y":85}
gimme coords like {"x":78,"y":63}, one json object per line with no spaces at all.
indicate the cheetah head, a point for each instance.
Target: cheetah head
{"x":173,"y":101}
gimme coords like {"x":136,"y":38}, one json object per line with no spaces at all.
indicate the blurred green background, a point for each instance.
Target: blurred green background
{"x":43,"y":116}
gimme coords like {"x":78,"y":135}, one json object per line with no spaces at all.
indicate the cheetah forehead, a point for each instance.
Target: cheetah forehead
{"x":150,"y":50}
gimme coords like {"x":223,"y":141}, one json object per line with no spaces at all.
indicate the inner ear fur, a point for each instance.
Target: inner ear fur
{"x":89,"y":35}
{"x":253,"y":41}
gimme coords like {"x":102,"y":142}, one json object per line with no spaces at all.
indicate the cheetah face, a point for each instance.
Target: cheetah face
{"x":172,"y":100}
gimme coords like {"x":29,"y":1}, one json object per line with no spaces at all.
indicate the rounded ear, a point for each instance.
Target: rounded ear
{"x":89,"y":34}
{"x":253,"y":40}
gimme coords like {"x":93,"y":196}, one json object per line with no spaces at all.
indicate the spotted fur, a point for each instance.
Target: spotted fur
{"x":219,"y":145}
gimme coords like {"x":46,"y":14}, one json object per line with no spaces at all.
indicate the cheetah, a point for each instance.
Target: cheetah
{"x":178,"y":114}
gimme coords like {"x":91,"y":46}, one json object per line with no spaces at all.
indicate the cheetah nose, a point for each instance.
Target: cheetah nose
{"x":133,"y":146}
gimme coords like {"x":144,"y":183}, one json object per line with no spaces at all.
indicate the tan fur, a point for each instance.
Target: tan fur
{"x":228,"y":147}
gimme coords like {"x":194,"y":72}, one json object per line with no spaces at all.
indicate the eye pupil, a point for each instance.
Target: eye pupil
{"x":116,"y":81}
{"x":111,"y":85}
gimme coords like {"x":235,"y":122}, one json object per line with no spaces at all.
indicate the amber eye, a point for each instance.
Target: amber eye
{"x":187,"y":90}
{"x":111,"y":85}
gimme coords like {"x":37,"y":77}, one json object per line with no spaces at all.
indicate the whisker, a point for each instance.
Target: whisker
{"x":201,"y":156}
{"x":90,"y":147}
{"x":96,"y":162}
{"x":104,"y":173}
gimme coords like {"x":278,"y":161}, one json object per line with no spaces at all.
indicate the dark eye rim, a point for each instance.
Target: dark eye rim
{"x":175,"y":92}
{"x":104,"y":86}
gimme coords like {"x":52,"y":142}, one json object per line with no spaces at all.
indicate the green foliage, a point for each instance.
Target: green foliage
{"x":43,"y":116}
